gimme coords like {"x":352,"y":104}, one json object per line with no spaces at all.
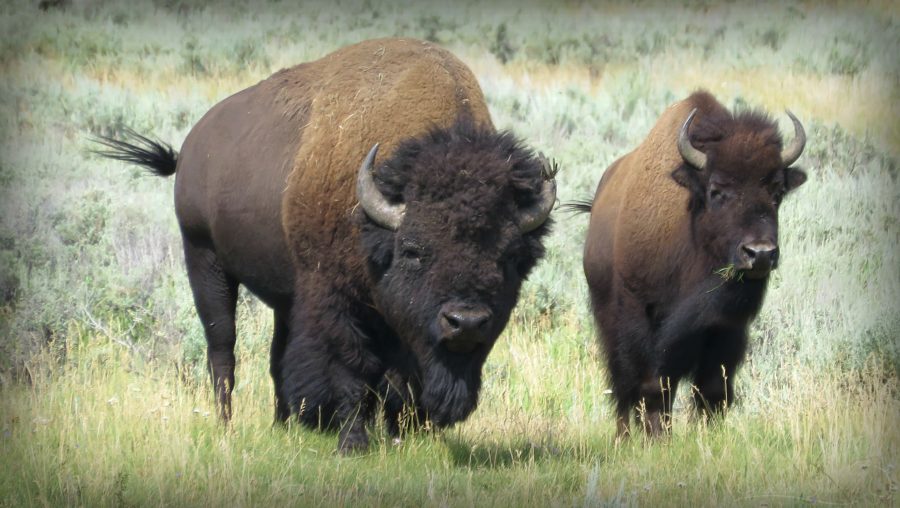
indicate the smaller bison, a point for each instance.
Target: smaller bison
{"x":683,"y":235}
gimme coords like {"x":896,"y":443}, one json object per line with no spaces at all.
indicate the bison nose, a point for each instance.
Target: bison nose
{"x":464,"y":327}
{"x":759,"y":257}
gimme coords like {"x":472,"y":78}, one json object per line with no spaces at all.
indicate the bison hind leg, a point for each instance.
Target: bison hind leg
{"x":623,"y":420}
{"x":215,"y":296}
{"x":625,"y":390}
{"x":713,"y":392}
{"x":279,"y":341}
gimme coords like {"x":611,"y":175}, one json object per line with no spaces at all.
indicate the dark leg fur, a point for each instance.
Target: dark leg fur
{"x":645,"y":382}
{"x":625,"y":391}
{"x":657,"y":394}
{"x":352,"y":436}
{"x":628,"y":367}
{"x":649,"y":349}
{"x":623,"y":420}
{"x":327,"y":370}
{"x":714,"y":376}
{"x":215,"y":296}
{"x":400,"y":409}
{"x":279,"y":340}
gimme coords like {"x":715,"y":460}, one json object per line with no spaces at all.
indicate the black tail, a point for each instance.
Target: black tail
{"x":156,"y":156}
{"x":577,"y":206}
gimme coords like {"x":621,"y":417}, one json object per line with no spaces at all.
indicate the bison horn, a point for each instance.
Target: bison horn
{"x":690,"y":154}
{"x":379,"y":209}
{"x":532,"y":217}
{"x":792,"y":152}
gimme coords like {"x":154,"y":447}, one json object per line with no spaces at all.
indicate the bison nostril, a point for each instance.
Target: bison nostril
{"x":762,"y":255}
{"x":749,"y":251}
{"x":464,"y":324}
{"x":466,"y":320}
{"x":451,"y":321}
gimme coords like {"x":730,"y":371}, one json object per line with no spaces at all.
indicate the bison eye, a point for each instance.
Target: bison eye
{"x":516,"y":265}
{"x":412,"y":253}
{"x":717,"y":196}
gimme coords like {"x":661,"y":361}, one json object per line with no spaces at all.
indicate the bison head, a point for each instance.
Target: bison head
{"x":737,"y":173}
{"x":452,"y":225}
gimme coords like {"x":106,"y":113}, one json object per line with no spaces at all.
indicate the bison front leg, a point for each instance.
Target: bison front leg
{"x":328,"y":369}
{"x":713,"y":389}
{"x":655,"y":408}
{"x":353,"y":403}
{"x":323,"y":390}
{"x":353,"y":413}
{"x":398,"y":396}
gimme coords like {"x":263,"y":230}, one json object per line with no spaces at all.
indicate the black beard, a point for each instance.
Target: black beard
{"x":451,"y":385}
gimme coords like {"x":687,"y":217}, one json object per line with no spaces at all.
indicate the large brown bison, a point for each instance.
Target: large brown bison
{"x":367,"y":198}
{"x":683,"y":235}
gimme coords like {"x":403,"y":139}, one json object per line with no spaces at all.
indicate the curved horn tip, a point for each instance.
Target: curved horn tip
{"x":535,"y":215}
{"x":690,"y":154}
{"x":370,"y":157}
{"x":792,"y":152}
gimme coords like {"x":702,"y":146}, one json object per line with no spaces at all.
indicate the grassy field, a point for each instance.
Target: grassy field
{"x":104,"y":398}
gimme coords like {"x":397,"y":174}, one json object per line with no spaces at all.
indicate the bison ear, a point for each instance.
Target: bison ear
{"x":795,"y":178}
{"x":692,"y":180}
{"x":378,"y":244}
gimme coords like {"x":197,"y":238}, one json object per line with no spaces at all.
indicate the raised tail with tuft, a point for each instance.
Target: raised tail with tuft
{"x":154,"y":155}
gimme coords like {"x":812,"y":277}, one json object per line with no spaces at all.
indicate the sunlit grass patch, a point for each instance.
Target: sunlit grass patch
{"x":94,"y":430}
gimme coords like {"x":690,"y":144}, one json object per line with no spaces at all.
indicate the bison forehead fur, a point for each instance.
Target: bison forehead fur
{"x":470,"y":177}
{"x":744,"y":146}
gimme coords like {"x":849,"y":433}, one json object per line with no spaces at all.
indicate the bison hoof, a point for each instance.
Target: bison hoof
{"x":353,"y":443}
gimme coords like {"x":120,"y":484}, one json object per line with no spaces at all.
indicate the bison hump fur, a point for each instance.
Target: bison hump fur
{"x":381,"y":91}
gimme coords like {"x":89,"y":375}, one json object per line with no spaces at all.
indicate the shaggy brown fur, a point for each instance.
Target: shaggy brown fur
{"x":659,"y":230}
